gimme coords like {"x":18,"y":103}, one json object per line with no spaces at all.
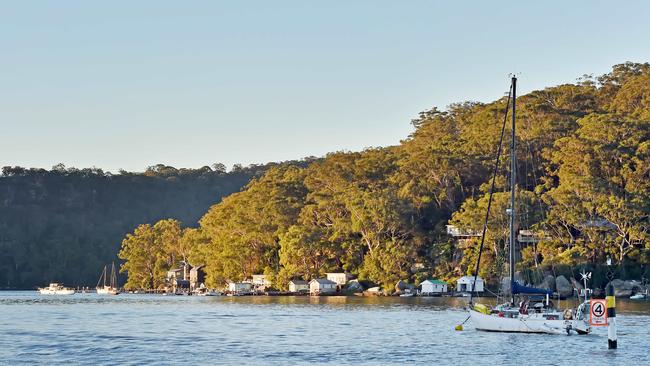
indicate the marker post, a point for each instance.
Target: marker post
{"x":611,"y":316}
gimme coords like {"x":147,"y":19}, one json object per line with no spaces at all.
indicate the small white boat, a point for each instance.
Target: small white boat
{"x":638,"y":297}
{"x":56,"y":289}
{"x":207,"y":293}
{"x":204,"y":291}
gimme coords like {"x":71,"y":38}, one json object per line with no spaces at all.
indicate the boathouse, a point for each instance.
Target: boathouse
{"x":178,"y":279}
{"x":433,"y":287}
{"x":298,"y":286}
{"x":239,"y":287}
{"x":464,"y":284}
{"x":197,"y":277}
{"x":322,"y":286}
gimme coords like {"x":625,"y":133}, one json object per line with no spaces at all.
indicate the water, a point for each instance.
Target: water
{"x":150,"y":329}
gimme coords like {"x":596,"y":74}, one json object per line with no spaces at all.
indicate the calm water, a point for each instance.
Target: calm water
{"x":149,"y":329}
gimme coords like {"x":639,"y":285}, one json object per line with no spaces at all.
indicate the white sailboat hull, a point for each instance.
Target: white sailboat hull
{"x":107,"y":291}
{"x":533,"y":323}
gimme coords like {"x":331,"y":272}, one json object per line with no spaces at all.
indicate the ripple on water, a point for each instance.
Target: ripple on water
{"x":141,"y":329}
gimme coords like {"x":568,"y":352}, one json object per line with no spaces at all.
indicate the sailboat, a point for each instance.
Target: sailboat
{"x":111,"y":288}
{"x":525,"y":316}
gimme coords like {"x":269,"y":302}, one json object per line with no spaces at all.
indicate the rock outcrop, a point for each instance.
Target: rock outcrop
{"x":401,"y":286}
{"x":626,"y":288}
{"x":354,"y":287}
{"x":563,"y":286}
{"x":576,"y":284}
{"x":548,"y":283}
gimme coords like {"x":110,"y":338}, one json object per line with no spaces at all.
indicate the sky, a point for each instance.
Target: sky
{"x":129,"y":84}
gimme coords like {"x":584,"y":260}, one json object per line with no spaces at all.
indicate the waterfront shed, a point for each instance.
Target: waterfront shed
{"x":464,"y":284}
{"x":433,"y":286}
{"x":197,"y":277}
{"x":239,"y":287}
{"x":322,"y":286}
{"x":298,"y":286}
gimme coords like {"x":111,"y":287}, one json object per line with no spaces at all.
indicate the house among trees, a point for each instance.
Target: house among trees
{"x":464,"y":284}
{"x":197,"y":277}
{"x":433,"y":287}
{"x":261,"y":282}
{"x":462,"y":236}
{"x":322,"y":286}
{"x":177,"y":281}
{"x":298,"y":286}
{"x":340,"y":278}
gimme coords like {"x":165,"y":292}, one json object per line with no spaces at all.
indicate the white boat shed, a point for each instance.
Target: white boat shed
{"x":464,"y":284}
{"x":433,"y":286}
{"x":322,"y":286}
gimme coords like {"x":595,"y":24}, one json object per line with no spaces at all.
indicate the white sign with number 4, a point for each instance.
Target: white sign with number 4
{"x":598,"y":312}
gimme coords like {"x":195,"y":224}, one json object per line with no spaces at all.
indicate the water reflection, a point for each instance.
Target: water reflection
{"x":267,"y":330}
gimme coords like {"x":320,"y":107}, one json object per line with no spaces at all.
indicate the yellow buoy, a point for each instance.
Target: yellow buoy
{"x":459,"y":327}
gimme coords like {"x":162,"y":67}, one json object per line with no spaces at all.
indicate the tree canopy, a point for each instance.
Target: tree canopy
{"x":381,"y":213}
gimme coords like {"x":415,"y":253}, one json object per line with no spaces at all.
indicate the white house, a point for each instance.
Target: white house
{"x":239,"y":287}
{"x":261,"y":280}
{"x":341,"y":278}
{"x":464,"y":284}
{"x":433,"y":286}
{"x":322,"y":286}
{"x":298,"y":286}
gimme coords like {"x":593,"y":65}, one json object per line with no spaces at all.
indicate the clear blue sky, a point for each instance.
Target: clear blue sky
{"x":127,"y":84}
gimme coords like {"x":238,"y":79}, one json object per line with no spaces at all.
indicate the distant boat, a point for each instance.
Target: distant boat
{"x":203,"y":291}
{"x":111,"y":288}
{"x":407,"y":293}
{"x":639,"y":296}
{"x":56,"y":289}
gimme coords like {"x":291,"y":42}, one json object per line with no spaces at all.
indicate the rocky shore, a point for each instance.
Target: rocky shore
{"x":566,"y":287}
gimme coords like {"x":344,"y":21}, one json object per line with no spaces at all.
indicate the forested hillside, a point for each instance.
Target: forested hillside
{"x":381,"y":214}
{"x":64,"y":224}
{"x":584,"y":192}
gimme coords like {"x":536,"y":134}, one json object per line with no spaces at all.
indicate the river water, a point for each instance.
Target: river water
{"x":150,"y":329}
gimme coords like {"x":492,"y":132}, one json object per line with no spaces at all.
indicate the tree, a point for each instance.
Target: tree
{"x":244,"y":229}
{"x":470,"y":219}
{"x":603,"y":181}
{"x":141,"y":255}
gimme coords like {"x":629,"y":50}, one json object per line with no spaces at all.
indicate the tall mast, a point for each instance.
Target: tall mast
{"x":113,"y":275}
{"x":513,"y":183}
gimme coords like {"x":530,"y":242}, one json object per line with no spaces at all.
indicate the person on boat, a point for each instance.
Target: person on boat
{"x":523,"y":306}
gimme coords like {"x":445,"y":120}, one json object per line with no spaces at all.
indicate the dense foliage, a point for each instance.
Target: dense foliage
{"x":380,"y":214}
{"x":64,"y":224}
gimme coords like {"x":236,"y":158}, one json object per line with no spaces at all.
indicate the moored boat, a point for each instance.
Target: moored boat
{"x":523,"y":316}
{"x":111,"y":288}
{"x":541,"y":319}
{"x":202,"y":291}
{"x":56,"y":289}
